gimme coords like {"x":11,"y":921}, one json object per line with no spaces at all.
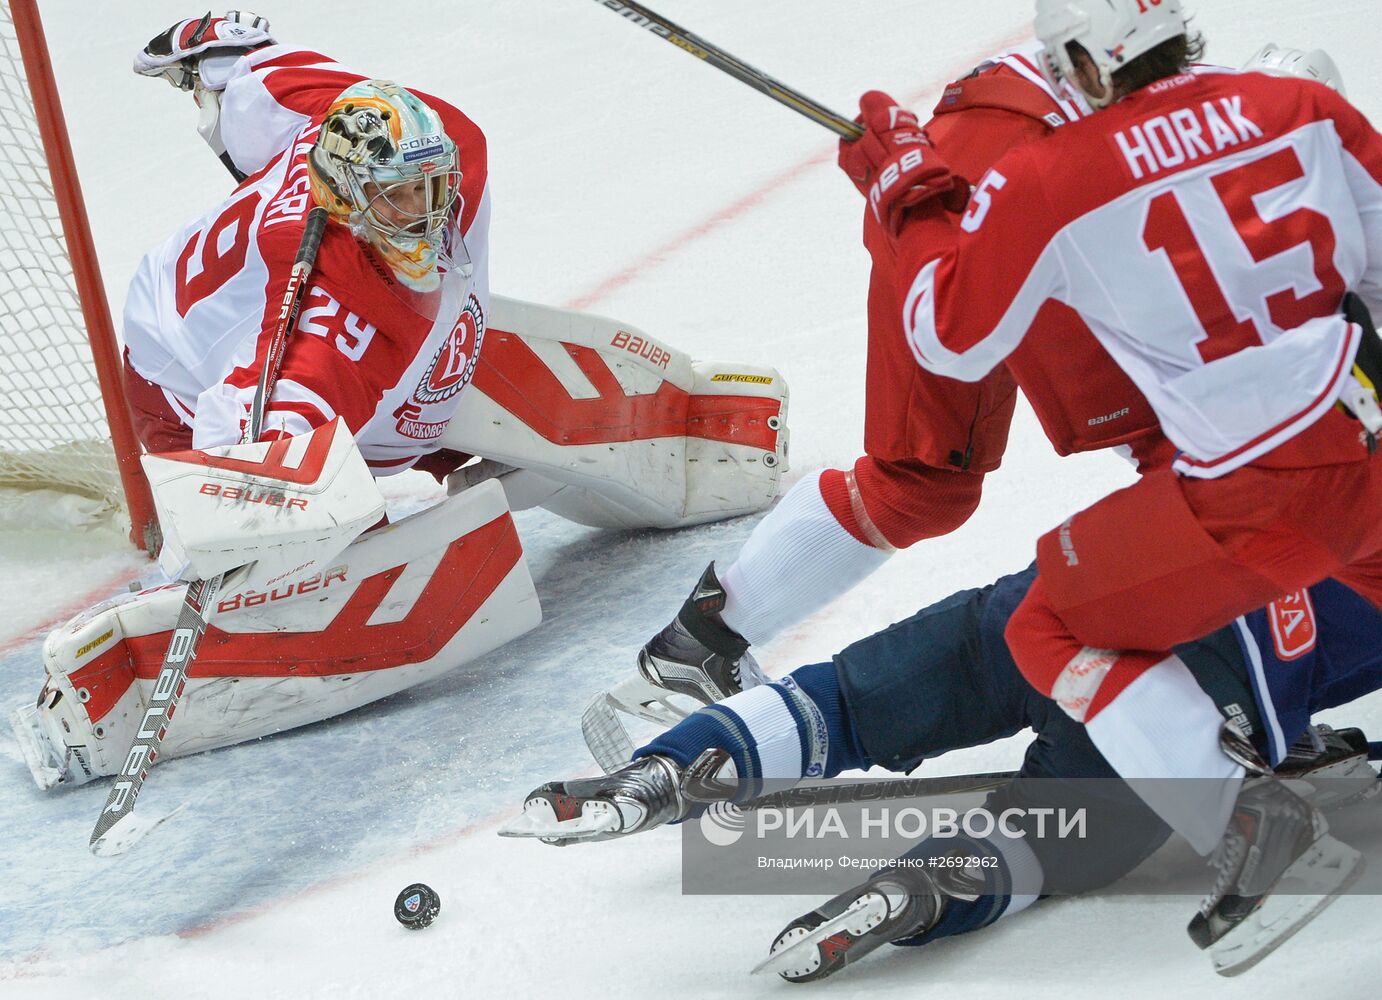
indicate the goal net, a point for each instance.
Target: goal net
{"x":55,"y":432}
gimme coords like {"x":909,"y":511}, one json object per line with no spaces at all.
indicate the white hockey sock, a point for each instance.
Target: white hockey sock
{"x":770,"y":735}
{"x":1163,"y":726}
{"x":797,"y":560}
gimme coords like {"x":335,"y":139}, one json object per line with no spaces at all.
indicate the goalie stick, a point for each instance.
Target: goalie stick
{"x":116,"y":828}
{"x":637,"y":14}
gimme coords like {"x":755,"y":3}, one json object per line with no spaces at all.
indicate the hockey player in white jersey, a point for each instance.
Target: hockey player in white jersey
{"x":400,"y":343}
{"x":398,"y":303}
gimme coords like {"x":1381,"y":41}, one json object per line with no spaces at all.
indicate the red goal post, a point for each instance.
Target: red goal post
{"x":64,"y":423}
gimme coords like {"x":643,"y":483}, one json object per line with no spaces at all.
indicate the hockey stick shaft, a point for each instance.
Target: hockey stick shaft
{"x":637,"y":14}
{"x":199,"y":604}
{"x":287,"y":315}
{"x":873,"y":791}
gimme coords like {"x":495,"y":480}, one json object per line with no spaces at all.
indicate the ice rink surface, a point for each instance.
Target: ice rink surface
{"x":632,"y":181}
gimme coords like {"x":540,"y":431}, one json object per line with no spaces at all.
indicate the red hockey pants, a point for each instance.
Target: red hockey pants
{"x":1171,"y":559}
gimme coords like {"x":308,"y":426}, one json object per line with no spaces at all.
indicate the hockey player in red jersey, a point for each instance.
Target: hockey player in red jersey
{"x":1207,"y":228}
{"x":929,"y":441}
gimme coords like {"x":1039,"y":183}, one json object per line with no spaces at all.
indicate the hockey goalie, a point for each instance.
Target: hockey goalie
{"x":399,"y":359}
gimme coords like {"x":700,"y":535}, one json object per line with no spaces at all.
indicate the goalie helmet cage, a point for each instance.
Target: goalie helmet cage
{"x":64,"y":422}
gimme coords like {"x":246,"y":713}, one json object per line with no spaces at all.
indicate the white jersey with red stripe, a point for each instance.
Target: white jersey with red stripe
{"x":390,"y":361}
{"x":271,"y":95}
{"x":1025,"y":60}
{"x":1206,"y":228}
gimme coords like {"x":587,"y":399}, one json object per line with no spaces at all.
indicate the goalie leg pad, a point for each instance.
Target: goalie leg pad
{"x":616,"y":428}
{"x":60,"y":740}
{"x":736,"y":445}
{"x":401,"y":606}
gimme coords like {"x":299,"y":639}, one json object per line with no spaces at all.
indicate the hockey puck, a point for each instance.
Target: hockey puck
{"x":417,"y":906}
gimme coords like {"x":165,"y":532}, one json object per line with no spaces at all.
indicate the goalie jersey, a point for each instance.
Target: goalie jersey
{"x":390,"y":360}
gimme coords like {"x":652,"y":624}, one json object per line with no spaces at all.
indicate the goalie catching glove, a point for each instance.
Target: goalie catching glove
{"x":198,"y":55}
{"x":894,"y":165}
{"x":198,"y":51}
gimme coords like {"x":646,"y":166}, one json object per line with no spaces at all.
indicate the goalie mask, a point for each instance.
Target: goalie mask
{"x":384,"y":166}
{"x":1113,"y":32}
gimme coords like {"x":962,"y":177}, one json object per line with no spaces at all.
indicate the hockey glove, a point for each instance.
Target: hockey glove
{"x":183,"y":53}
{"x":894,"y":165}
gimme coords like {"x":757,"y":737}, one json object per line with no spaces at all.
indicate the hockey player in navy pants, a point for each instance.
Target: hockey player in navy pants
{"x":943,"y":680}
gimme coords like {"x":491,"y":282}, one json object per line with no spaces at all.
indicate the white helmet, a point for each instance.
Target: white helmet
{"x":1315,"y":65}
{"x":1113,"y":32}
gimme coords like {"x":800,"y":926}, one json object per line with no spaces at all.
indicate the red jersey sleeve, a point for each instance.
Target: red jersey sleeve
{"x":961,"y":315}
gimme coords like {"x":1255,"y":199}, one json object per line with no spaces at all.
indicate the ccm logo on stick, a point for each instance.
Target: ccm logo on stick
{"x":247,"y":495}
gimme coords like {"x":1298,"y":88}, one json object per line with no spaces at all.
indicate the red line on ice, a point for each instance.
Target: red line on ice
{"x":613,"y":283}
{"x":659,"y":255}
{"x":93,"y":596}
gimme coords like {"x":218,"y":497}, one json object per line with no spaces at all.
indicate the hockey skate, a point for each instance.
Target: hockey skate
{"x":1329,"y":767}
{"x":694,"y":661}
{"x":891,"y":905}
{"x":1278,"y":869}
{"x":50,"y":740}
{"x":640,"y":795}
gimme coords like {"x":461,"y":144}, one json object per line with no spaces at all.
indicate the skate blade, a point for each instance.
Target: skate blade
{"x":1342,"y":784}
{"x":129,"y":830}
{"x":801,"y":956}
{"x":47,"y":772}
{"x":538,"y":821}
{"x":605,"y":735}
{"x":1328,"y":867}
{"x":639,"y":697}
